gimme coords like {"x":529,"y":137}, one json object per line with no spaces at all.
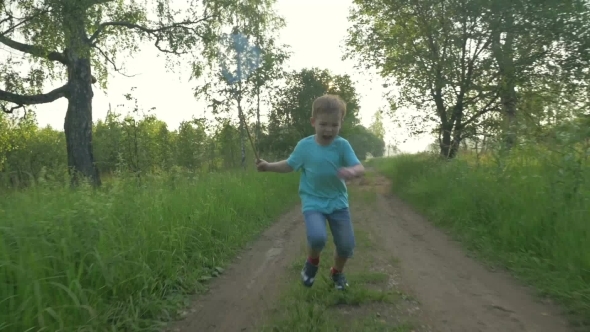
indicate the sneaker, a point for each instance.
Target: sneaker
{"x":308,"y":274}
{"x":340,"y":281}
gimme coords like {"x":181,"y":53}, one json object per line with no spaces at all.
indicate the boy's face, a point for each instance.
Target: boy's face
{"x":327,"y":126}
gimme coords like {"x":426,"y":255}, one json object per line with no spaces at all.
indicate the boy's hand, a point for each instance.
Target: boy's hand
{"x":347,"y":173}
{"x":261,"y":165}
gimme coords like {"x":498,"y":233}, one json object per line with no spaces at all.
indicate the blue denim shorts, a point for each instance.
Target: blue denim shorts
{"x":342,"y":231}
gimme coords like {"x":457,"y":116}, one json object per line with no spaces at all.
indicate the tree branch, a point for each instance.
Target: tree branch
{"x":112,"y":62}
{"x":34,"y":50}
{"x":184,"y":25}
{"x":488,"y":107}
{"x":22,"y":100}
{"x":10,"y":18}
{"x":12,"y":109}
{"x":101,"y":2}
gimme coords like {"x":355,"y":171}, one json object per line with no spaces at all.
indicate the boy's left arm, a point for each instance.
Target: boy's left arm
{"x":358,"y":169}
{"x":351,"y":162}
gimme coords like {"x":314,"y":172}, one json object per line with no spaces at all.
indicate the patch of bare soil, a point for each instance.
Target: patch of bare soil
{"x":240,"y":297}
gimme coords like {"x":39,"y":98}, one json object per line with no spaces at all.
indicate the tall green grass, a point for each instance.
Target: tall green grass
{"x":530,"y":213}
{"x":122,"y":258}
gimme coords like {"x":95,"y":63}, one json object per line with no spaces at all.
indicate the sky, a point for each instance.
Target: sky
{"x":171,"y":94}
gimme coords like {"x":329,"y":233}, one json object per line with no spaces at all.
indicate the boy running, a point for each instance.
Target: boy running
{"x":326,"y":160}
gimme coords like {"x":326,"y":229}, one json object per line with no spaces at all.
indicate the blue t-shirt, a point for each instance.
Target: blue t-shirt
{"x":320,"y":188}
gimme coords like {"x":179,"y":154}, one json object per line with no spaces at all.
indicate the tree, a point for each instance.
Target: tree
{"x":460,"y":63}
{"x":293,"y":101}
{"x":190,"y":144}
{"x":528,"y":41}
{"x":84,"y":37}
{"x":377,"y":127}
{"x":289,"y":120}
{"x":364,"y":142}
{"x":248,"y":61}
{"x":433,"y":51}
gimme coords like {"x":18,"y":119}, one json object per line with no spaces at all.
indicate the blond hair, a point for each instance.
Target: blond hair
{"x":328,"y":104}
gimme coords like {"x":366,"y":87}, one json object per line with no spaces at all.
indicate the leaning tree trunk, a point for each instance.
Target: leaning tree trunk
{"x":448,"y":135}
{"x":451,"y":129}
{"x":78,"y":121}
{"x":449,"y":143}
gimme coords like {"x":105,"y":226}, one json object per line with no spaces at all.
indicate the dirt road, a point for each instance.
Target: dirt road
{"x":454,"y":292}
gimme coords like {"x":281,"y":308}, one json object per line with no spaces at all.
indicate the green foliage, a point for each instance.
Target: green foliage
{"x":121,"y":144}
{"x":86,"y":36}
{"x":431,"y":51}
{"x":293,"y":101}
{"x":377,"y":127}
{"x":468,"y":68}
{"x":113,"y":28}
{"x":123,"y":258}
{"x":364,"y":142}
{"x":528,"y":212}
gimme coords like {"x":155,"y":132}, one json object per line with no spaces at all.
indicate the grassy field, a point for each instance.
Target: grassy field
{"x":531,"y":214}
{"x":124,"y":257}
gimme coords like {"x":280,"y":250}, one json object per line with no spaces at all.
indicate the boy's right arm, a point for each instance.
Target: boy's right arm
{"x":294,"y":162}
{"x":279,"y":167}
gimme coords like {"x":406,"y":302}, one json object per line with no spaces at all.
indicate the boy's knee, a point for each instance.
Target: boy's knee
{"x":345,"y":249}
{"x":317,"y":241}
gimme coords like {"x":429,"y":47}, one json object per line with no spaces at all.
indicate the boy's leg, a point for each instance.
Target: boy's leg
{"x":315,"y":224}
{"x":343,"y":234}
